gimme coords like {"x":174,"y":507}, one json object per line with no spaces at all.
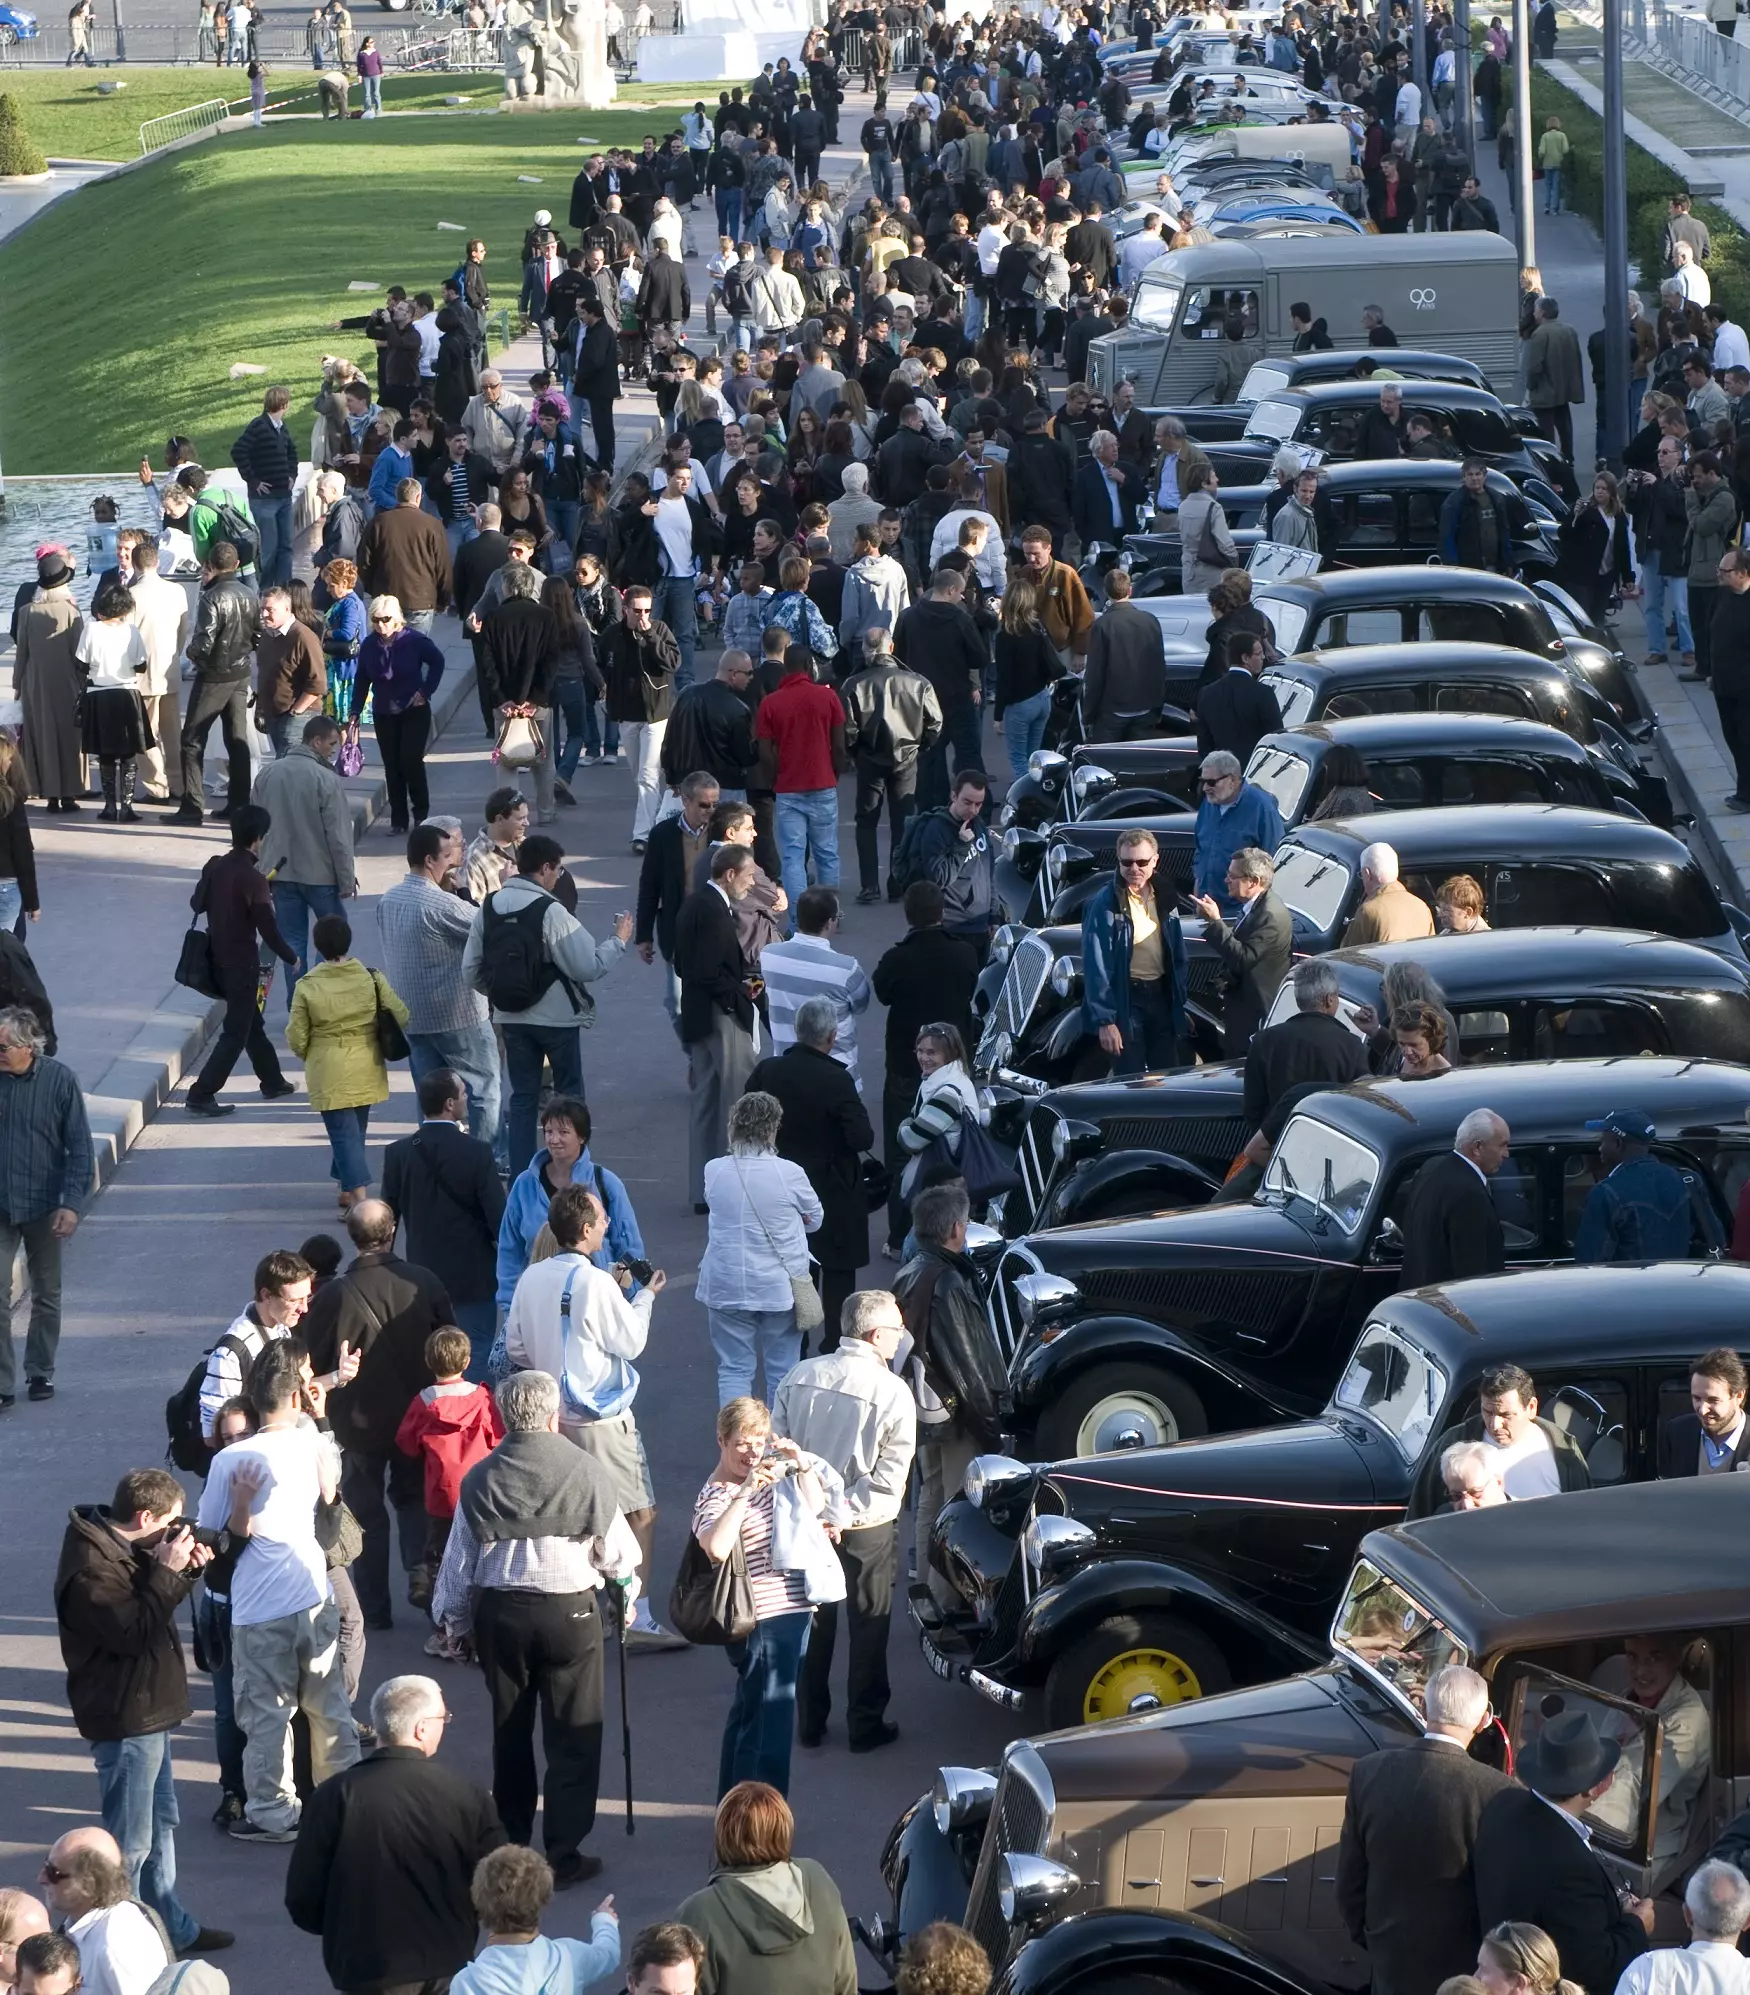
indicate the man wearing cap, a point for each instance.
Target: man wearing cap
{"x":1534,"y":1862}
{"x":1640,"y":1210}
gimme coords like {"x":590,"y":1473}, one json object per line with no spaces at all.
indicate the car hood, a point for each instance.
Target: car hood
{"x":1210,"y":1090}
{"x":1309,"y":1465}
{"x":1224,"y":1232}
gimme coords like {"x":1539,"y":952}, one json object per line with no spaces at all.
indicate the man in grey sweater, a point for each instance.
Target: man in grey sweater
{"x":308,"y":849}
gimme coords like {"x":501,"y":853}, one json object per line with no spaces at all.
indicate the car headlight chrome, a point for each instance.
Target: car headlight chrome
{"x":1092,"y":776}
{"x":961,"y":1795}
{"x":1066,"y":976}
{"x":1002,"y":1044}
{"x":990,"y":1475}
{"x":1046,"y":1537}
{"x":1046,"y":766}
{"x":1002,"y":943}
{"x":1031,"y":1887}
{"x":1038,"y":1295}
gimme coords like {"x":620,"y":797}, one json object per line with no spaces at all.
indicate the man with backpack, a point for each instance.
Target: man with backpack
{"x":283,"y":1282}
{"x":531,"y":960}
{"x":952,"y":848}
{"x":892,"y":718}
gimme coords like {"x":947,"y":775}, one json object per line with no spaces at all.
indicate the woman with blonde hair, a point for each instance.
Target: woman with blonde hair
{"x":943,"y":1959}
{"x":1517,"y":1958}
{"x":403,"y":667}
{"x":1027,"y":667}
{"x":345,"y":627}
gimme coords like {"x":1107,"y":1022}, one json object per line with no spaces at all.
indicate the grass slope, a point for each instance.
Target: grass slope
{"x":241,"y":249}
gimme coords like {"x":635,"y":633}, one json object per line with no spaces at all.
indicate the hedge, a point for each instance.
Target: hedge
{"x":18,"y":151}
{"x":1650,"y":185}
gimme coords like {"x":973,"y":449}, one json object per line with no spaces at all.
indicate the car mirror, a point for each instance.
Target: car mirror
{"x":1388,"y":1244}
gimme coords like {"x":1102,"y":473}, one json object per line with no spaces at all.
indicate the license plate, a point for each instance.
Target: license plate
{"x":942,"y":1665}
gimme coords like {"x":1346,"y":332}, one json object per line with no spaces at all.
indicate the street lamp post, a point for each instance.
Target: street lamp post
{"x":1611,"y":436}
{"x":1524,"y":215}
{"x":1465,"y":112}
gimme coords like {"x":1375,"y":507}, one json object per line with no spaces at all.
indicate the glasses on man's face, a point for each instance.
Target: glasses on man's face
{"x":1211,"y":782}
{"x":52,"y":1873}
{"x":638,"y":609}
{"x":1142,"y":864}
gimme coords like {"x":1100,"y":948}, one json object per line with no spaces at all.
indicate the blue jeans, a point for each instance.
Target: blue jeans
{"x":373,"y":93}
{"x":740,"y":335}
{"x":569,"y":702}
{"x":741,"y":1337}
{"x":881,"y":175}
{"x":601,"y":736}
{"x":1658,"y":587}
{"x":273,"y":522}
{"x":565,"y":515}
{"x":12,"y":907}
{"x":675,"y":604}
{"x":729,"y":212}
{"x":807,"y":822}
{"x":458,"y":533}
{"x":480,"y":1320}
{"x":761,"y":1725}
{"x":137,"y":1787}
{"x":1024,"y":728}
{"x":525,"y":1048}
{"x":472,"y":1053}
{"x":1552,"y":190}
{"x":213,"y":1619}
{"x":346,"y":1140}
{"x":295,"y":907}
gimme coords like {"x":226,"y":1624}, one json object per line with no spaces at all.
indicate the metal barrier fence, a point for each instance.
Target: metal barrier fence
{"x":1693,"y":48}
{"x":156,"y":133}
{"x":908,"y":50}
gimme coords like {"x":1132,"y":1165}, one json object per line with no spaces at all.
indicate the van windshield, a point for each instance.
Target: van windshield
{"x":1392,"y":1636}
{"x":1316,"y":1166}
{"x":1294,"y":699}
{"x":1157,"y":306}
{"x":1396,"y":1384}
{"x":1275,"y":421}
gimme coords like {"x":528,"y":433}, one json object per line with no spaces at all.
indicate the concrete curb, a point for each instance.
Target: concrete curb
{"x":1699,"y":180}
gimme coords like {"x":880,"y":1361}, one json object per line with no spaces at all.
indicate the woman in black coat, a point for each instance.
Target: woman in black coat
{"x":1594,"y":562}
{"x":825,"y":1129}
{"x":456,"y":380}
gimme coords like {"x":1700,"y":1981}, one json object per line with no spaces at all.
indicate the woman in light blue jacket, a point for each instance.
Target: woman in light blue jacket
{"x":511,"y":1889}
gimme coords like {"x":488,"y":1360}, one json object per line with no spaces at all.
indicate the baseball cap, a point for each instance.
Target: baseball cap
{"x":1629,"y":1122}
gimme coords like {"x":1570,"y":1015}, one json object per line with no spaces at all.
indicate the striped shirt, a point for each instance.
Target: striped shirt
{"x":774,"y":1593}
{"x":808,"y":966}
{"x":424,"y":932}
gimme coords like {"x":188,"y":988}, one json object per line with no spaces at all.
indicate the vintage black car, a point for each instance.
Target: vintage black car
{"x":1149,"y":1330}
{"x":1536,"y":864}
{"x":1283,"y":373}
{"x":1331,"y":419}
{"x":1230,"y":1808}
{"x":1103,"y":779}
{"x":1102,"y":1149}
{"x":1145,"y":1578}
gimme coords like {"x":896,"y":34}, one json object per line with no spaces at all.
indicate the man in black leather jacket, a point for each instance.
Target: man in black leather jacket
{"x":892,"y":715}
{"x":960,"y":1407}
{"x":711,"y":728}
{"x":226,"y":626}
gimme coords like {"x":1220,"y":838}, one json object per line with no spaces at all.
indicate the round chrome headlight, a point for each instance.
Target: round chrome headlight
{"x":989,"y":1475}
{"x":1047,"y":1536}
{"x":1066,"y":974}
{"x":1005,"y":817}
{"x":1011,"y":842}
{"x":959,"y":1795}
{"x":1002,"y":1046}
{"x":1092,"y":776}
{"x":1029,"y":1886}
{"x":1002,"y":943}
{"x":1060,"y":1141}
{"x":1046,"y":766}
{"x":1035,"y":1295}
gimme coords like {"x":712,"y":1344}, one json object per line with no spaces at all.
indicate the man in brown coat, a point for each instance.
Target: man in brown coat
{"x":290,"y":676}
{"x":404,"y":554}
{"x":1389,"y":912}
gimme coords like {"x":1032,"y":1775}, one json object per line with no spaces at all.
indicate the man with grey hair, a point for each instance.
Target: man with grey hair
{"x":496,"y":423}
{"x":1716,"y":1905}
{"x":1176,"y":455}
{"x":47,"y":1161}
{"x":536,"y":1533}
{"x":387,"y":1849}
{"x":1471,"y":1479}
{"x":1312,"y":1047}
{"x":1255,"y":950}
{"x":1389,"y":912}
{"x":845,"y":514}
{"x":1232,"y":815}
{"x":1452,"y":1231}
{"x":1404,"y":1882}
{"x":307,"y":853}
{"x":848,"y":1408}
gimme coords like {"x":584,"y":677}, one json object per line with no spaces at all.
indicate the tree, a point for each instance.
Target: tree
{"x":18,"y":153}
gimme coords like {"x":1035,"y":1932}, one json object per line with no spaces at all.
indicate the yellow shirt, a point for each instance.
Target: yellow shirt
{"x":1146,"y":964}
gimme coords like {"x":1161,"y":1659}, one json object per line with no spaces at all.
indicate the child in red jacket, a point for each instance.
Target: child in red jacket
{"x":452,"y":1425}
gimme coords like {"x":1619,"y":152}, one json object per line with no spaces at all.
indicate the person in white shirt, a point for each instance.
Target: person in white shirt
{"x":1731,"y":347}
{"x":285,"y":1621}
{"x":161,"y":616}
{"x":426,"y":325}
{"x":1688,"y":278}
{"x":1140,"y":250}
{"x":985,"y":546}
{"x":1408,"y":111}
{"x":283,"y":1282}
{"x":849,"y":1408}
{"x":1520,"y":1451}
{"x":808,"y":966}
{"x":121,"y":1951}
{"x":585,"y":1326}
{"x":1716,"y":1908}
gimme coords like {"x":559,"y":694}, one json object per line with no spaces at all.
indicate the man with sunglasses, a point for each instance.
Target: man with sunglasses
{"x":1232,"y":815}
{"x":1133,"y":964}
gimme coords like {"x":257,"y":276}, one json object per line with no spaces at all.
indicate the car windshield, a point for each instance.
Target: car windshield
{"x":1284,"y":775}
{"x":1312,"y":883}
{"x":1264,"y":380}
{"x":1392,"y":1637}
{"x":1316,"y":1166}
{"x":1157,"y":306}
{"x":1294,"y":700}
{"x":1287,"y":620}
{"x":1396,"y":1384}
{"x":1275,"y":420}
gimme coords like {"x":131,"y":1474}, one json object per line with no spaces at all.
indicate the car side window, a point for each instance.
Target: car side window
{"x":1515,"y":1190}
{"x":1422,"y":520}
{"x":1483,"y":430}
{"x":1474,"y":697}
{"x":1372,"y":522}
{"x":1594,"y":1031}
{"x":1538,"y":896}
{"x":1581,"y":1170}
{"x":1484,"y":1038}
{"x":1490,"y":783}
{"x":1371,"y":699}
{"x":1384,"y":625}
{"x":1461,"y":623}
{"x":1399,"y":785}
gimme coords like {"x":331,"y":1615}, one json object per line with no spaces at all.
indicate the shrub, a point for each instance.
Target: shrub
{"x":18,"y":153}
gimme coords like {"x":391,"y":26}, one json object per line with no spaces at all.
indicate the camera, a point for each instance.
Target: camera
{"x":200,"y":1534}
{"x":640,"y":1271}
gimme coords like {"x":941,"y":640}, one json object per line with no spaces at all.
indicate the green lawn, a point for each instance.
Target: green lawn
{"x":69,"y":120}
{"x":241,"y":250}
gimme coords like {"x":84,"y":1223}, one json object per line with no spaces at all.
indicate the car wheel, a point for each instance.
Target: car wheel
{"x":1121,"y":1406}
{"x":8,"y":34}
{"x":1133,"y":1662}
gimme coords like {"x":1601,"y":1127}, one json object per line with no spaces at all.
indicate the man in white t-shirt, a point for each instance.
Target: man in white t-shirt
{"x":285,"y":1623}
{"x":121,"y":1950}
{"x":161,"y":617}
{"x":1526,"y":1455}
{"x":426,"y":325}
{"x":683,"y":539}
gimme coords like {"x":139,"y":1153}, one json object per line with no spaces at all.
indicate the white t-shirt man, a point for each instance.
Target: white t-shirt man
{"x":1526,"y":1467}
{"x":283,"y":1570}
{"x":1408,"y":112}
{"x":120,"y":1952}
{"x":674,"y":528}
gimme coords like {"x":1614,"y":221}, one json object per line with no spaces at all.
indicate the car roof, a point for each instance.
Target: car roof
{"x":1226,"y":263}
{"x":1636,"y":1559}
{"x":1413,"y":388}
{"x":1540,"y":1099}
{"x":1510,"y":962}
{"x":1427,"y":734}
{"x":1344,"y":586}
{"x":1399,"y":356}
{"x":1521,"y":833}
{"x":1449,"y":660}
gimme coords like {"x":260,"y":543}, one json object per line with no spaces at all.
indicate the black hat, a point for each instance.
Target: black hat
{"x":1567,"y":1757}
{"x":52,"y":569}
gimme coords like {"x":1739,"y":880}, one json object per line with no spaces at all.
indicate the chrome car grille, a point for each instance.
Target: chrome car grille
{"x":1023,"y":980}
{"x":1000,"y":1305}
{"x":1020,"y":1820}
{"x":1036,"y":1158}
{"x":1203,"y":980}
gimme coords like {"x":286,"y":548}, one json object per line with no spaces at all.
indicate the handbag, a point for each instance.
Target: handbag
{"x":391,"y":1040}
{"x":520,"y":743}
{"x":810,"y":1311}
{"x":711,"y":1604}
{"x":338,"y":1532}
{"x":195,"y":969}
{"x":351,"y":759}
{"x":877,"y":1182}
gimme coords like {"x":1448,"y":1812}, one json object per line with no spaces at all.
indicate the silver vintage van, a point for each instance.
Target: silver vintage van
{"x":1459,"y":293}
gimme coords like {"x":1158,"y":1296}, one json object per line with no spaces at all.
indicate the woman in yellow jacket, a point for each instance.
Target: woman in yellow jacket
{"x":333,"y":1030}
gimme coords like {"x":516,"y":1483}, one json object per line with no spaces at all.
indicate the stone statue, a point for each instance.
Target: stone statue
{"x":559,"y":56}
{"x":522,"y":47}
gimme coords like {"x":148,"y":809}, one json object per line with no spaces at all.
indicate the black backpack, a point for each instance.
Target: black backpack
{"x":514,"y":959}
{"x":182,"y":1411}
{"x":236,"y":527}
{"x":737,"y":301}
{"x":907,"y":863}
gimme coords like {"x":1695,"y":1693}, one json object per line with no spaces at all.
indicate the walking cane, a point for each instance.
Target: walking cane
{"x":621,"y":1617}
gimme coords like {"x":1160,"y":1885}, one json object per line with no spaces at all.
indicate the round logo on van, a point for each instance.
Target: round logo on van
{"x":1423,"y":300}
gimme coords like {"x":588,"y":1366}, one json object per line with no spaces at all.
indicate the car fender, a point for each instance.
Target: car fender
{"x":1060,"y":1614}
{"x":1043,"y":1370}
{"x":1134,"y":801}
{"x":1191,"y":1953}
{"x":923,"y":1872}
{"x":1073,"y":898}
{"x":1165,"y":1179}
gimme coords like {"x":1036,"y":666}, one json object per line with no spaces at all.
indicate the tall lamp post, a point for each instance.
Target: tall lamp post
{"x":1611,"y":436}
{"x":1524,"y":214}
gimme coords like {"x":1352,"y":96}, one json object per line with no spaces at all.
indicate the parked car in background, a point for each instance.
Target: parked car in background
{"x":16,"y":25}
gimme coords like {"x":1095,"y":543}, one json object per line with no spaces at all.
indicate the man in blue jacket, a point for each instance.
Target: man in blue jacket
{"x":563,"y":1159}
{"x":1133,"y":964}
{"x":953,"y":848}
{"x":1232,"y":815}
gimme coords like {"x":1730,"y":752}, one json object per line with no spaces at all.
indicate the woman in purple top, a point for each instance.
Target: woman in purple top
{"x":371,"y":75}
{"x":403,"y":668}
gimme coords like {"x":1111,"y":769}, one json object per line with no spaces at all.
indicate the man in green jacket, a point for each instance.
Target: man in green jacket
{"x":1713,"y":527}
{"x":1554,"y":376}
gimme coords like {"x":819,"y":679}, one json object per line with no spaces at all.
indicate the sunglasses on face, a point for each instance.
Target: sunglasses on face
{"x":1141,"y":865}
{"x":1211,"y":782}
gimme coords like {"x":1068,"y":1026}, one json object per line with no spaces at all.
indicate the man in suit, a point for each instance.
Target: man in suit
{"x":1715,"y":1438}
{"x":1107,"y":492}
{"x":1404,"y":1882}
{"x":677,"y":844}
{"x":1452,"y":1230}
{"x":596,"y":378}
{"x":444,"y":1188}
{"x":1532,"y":1865}
{"x":1312,"y":1045}
{"x":1530,"y":1455}
{"x":718,"y":1018}
{"x":1255,"y":950}
{"x":1234,"y":712}
{"x":1125,"y":679}
{"x":825,"y":1129}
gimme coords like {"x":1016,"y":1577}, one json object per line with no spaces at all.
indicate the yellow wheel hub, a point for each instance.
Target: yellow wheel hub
{"x":1139,"y":1679}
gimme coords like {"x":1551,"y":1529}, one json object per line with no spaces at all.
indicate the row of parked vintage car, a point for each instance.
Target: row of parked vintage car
{"x":1222,"y":1409}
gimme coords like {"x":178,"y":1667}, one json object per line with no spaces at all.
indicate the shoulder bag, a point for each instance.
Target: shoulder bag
{"x":195,"y":970}
{"x":711,"y":1604}
{"x":351,"y":759}
{"x":520,"y":743}
{"x":810,"y":1312}
{"x":391,"y":1040}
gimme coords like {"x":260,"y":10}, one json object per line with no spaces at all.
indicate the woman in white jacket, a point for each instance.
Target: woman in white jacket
{"x":762,"y":1209}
